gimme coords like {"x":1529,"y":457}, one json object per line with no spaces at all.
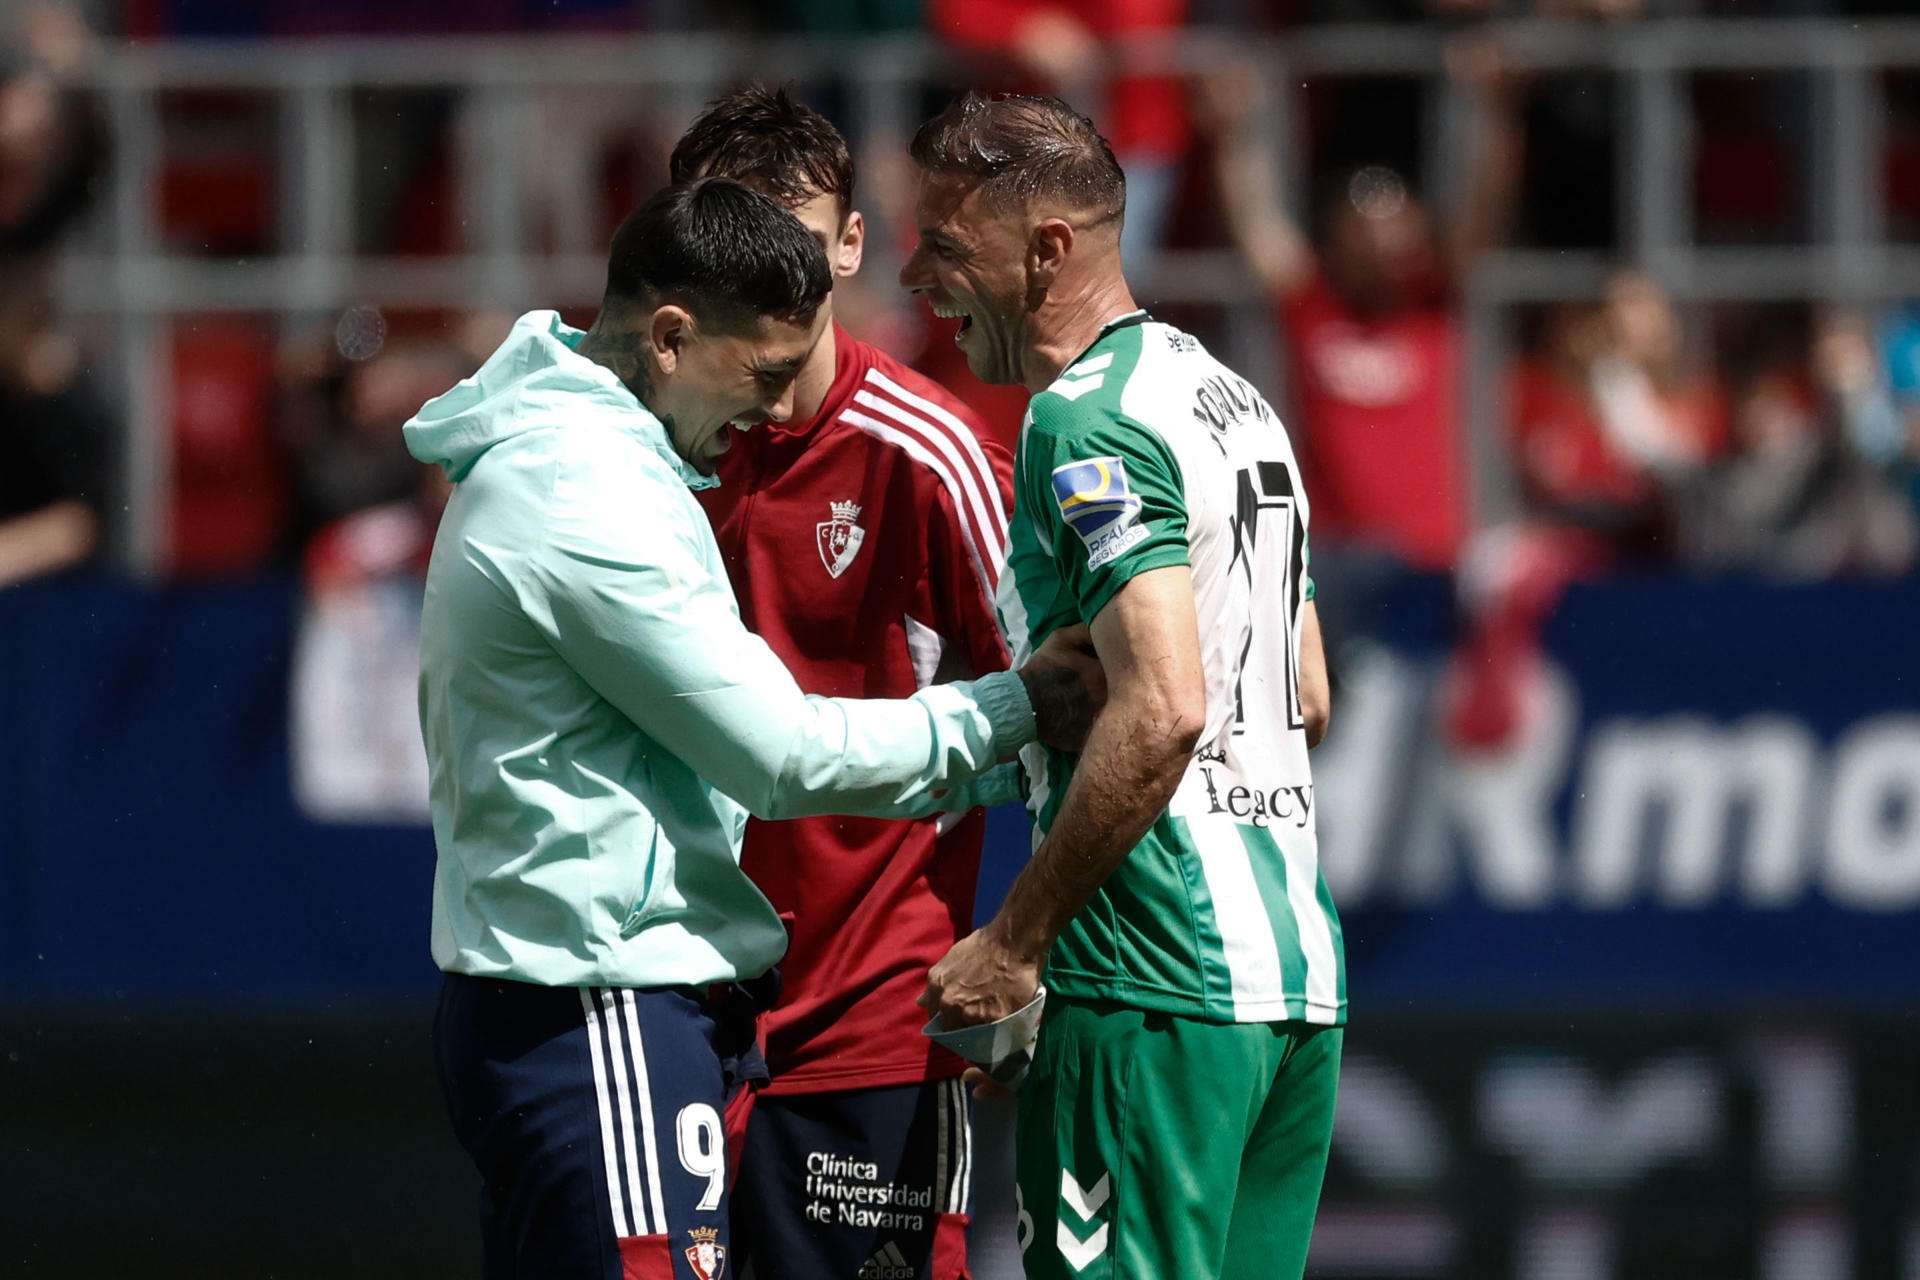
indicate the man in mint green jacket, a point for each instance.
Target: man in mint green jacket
{"x":599,"y":724}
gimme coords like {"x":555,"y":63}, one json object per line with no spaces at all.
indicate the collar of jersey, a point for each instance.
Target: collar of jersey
{"x":1111,"y":327}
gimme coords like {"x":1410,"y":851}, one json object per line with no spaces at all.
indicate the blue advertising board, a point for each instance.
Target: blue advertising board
{"x":1715,"y":799}
{"x":150,"y":847}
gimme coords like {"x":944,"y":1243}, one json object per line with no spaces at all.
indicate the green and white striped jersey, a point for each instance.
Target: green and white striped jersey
{"x":1148,"y":452}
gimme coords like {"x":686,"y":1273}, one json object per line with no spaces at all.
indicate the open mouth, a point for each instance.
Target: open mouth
{"x":947,"y":311}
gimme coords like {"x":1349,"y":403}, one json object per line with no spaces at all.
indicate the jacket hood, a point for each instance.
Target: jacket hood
{"x":535,"y":371}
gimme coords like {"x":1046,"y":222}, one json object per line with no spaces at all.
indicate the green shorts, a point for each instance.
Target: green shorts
{"x":1153,"y":1146}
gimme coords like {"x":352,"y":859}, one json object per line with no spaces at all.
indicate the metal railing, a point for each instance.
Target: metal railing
{"x":122,"y":275}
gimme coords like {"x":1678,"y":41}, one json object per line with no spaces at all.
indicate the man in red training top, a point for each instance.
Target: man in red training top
{"x":865,"y":538}
{"x":1371,"y":314}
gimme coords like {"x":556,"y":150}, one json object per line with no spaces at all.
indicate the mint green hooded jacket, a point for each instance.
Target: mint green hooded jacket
{"x":598,"y":721}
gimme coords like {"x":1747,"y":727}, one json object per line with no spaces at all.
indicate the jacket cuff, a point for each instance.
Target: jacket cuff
{"x":1003,"y":699}
{"x":1003,"y":784}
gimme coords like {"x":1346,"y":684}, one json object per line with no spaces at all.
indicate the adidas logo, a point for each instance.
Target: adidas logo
{"x":888,"y":1264}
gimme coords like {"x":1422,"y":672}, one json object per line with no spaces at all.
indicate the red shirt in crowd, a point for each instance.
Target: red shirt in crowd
{"x":1562,"y":451}
{"x":391,"y":540}
{"x":1146,"y":116}
{"x":1566,"y":460}
{"x":1379,"y":424}
{"x":865,"y":546}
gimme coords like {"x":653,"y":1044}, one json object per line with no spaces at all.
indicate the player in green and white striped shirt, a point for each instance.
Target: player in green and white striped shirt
{"x":1178,"y":1112}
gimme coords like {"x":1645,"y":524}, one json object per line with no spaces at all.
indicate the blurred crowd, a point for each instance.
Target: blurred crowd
{"x":57,"y":438}
{"x":1782,"y":440}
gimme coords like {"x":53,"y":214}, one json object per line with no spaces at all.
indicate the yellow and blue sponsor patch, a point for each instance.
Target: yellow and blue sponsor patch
{"x":1096,"y":503}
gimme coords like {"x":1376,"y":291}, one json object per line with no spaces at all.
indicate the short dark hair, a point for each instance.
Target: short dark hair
{"x":767,"y":139}
{"x":722,"y":250}
{"x":1019,"y":148}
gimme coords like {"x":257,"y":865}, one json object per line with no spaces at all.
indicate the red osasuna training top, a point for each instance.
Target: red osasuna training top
{"x":865,"y":546}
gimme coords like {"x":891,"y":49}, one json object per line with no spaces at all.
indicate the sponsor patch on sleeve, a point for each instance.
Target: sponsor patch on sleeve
{"x":1097,"y":504}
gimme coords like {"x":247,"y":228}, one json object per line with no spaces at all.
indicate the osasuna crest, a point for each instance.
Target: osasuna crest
{"x":707,"y":1256}
{"x":840,"y":537}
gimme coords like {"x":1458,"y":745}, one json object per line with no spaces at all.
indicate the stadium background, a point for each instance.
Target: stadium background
{"x":1632,"y":962}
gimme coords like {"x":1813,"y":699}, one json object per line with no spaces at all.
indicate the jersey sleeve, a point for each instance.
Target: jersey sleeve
{"x":1107,"y":492}
{"x":965,"y":559}
{"x":632,"y":607}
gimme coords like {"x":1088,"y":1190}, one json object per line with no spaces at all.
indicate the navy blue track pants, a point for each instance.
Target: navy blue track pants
{"x":594,"y":1115}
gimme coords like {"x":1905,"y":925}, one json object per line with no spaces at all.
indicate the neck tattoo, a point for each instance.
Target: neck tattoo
{"x":627,"y":366}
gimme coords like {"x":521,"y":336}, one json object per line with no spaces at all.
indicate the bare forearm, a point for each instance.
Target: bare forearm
{"x":46,"y":541}
{"x":1249,"y":186}
{"x":1149,"y":648}
{"x":1483,"y":221}
{"x":1132,"y":765}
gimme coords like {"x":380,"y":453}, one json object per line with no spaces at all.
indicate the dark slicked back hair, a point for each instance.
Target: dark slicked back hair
{"x":1020,"y":149}
{"x":723,"y":251}
{"x":774,"y":143}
